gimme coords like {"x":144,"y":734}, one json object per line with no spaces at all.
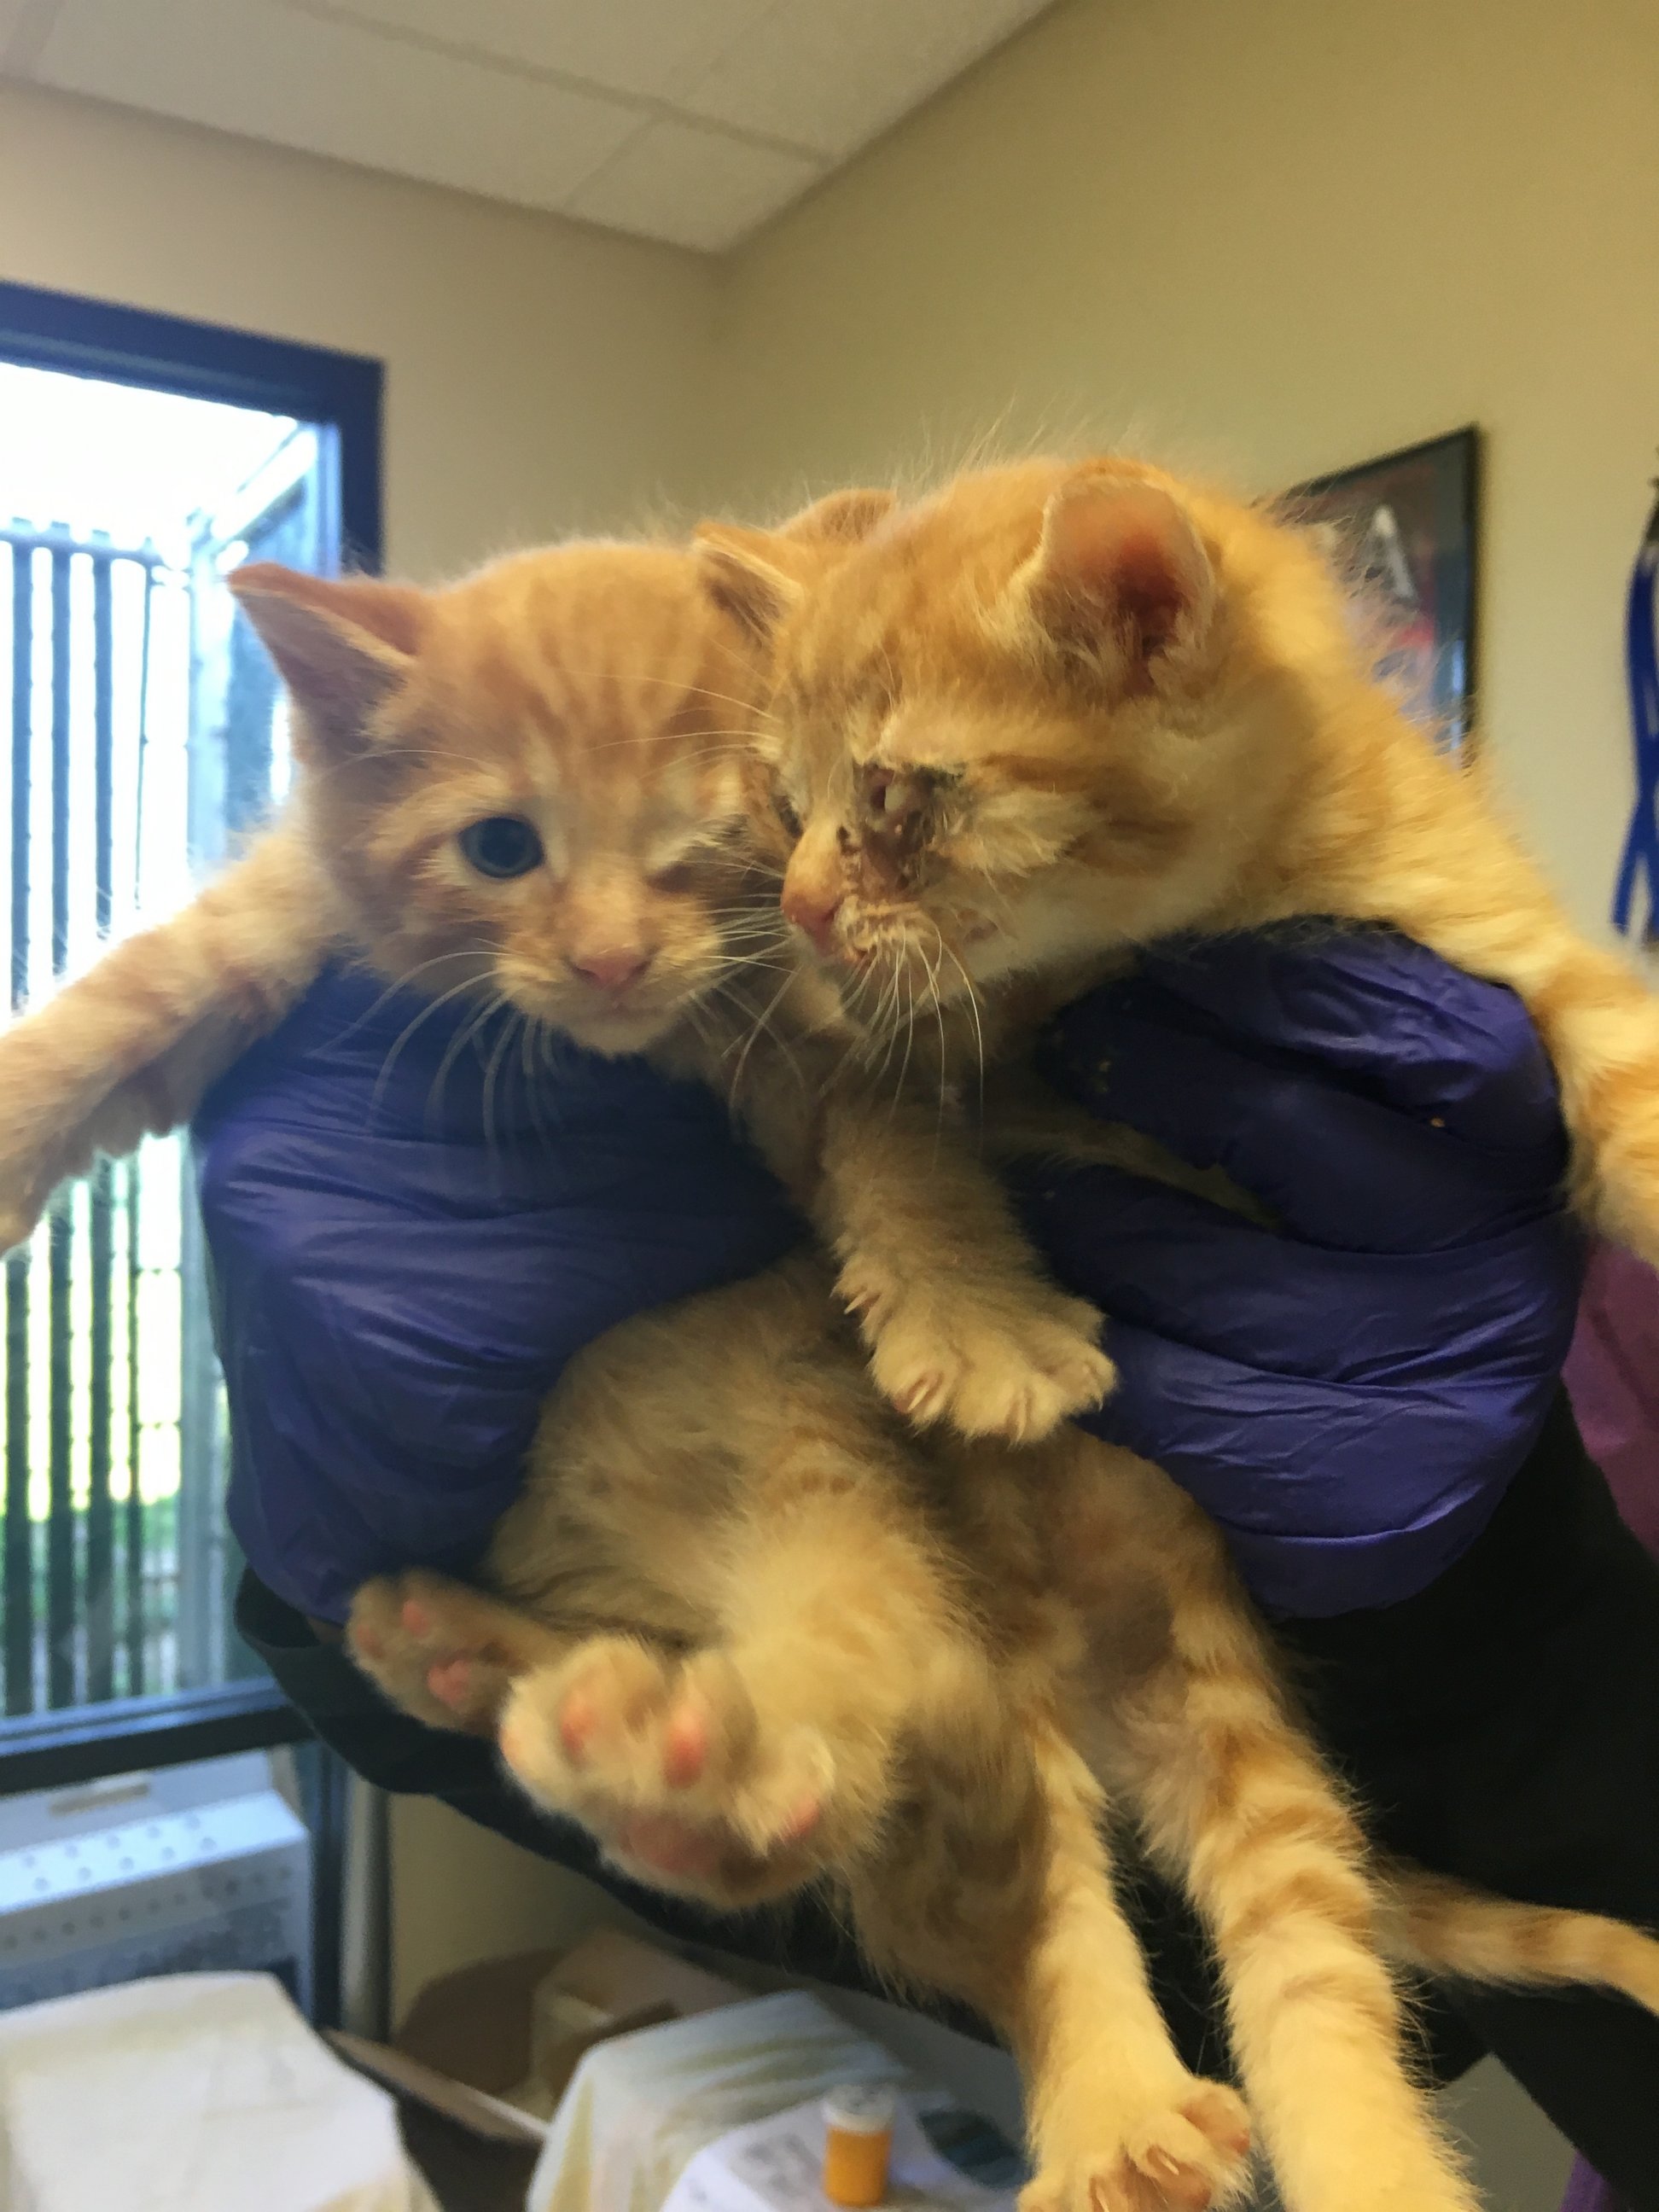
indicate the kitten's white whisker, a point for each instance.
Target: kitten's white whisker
{"x":455,"y":991}
{"x":503,"y":1046}
{"x":909,"y":1041}
{"x":763,"y":1022}
{"x":972,"y":996}
{"x":403,"y":982}
{"x":458,"y":1044}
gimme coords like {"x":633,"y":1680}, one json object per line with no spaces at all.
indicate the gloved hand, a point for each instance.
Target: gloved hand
{"x":1348,"y":1397}
{"x":409,"y":1239}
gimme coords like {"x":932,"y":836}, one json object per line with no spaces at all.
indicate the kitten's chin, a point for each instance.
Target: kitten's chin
{"x":615,"y":1034}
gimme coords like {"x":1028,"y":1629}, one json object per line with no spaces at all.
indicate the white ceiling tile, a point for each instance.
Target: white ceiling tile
{"x":593,"y":106}
{"x":831,"y":74}
{"x":22,"y":24}
{"x":695,"y":187}
{"x":640,"y":46}
{"x":329,"y":87}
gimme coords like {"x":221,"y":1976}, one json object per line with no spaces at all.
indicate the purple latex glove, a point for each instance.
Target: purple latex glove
{"x":409,"y":1241}
{"x":1350,"y":1397}
{"x":396,"y":1292}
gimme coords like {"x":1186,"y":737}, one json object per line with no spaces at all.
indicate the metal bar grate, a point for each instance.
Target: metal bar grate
{"x":101,"y":1526}
{"x":91,"y":1567}
{"x":141,"y":717}
{"x":18,"y":1558}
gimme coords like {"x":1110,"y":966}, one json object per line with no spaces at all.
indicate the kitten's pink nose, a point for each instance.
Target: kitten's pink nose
{"x":615,"y":971}
{"x":814,"y":911}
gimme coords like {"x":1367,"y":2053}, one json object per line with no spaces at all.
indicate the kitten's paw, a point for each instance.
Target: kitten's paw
{"x":1014,"y":1367}
{"x":668,"y":1764}
{"x":1188,"y":2156}
{"x":418,"y":1638}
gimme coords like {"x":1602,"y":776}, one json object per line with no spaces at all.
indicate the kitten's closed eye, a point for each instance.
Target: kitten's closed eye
{"x":502,"y":846}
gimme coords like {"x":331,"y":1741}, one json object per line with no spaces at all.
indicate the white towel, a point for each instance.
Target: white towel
{"x":199,"y":2093}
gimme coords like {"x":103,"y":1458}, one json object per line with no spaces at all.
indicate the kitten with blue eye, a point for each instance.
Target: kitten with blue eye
{"x":731,"y":1602}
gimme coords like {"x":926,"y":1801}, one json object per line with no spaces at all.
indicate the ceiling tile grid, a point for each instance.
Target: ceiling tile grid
{"x":639,"y":46}
{"x":692,"y":121}
{"x":832,"y":74}
{"x":692,"y":187}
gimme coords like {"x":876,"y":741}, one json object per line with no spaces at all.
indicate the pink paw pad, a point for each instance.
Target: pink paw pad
{"x":685,"y":1745}
{"x":577,"y":1718}
{"x":450,"y":1683}
{"x":669,"y":1847}
{"x":804,"y":1817}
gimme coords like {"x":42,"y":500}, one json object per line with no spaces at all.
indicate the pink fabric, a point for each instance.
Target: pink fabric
{"x":1612,"y":1378}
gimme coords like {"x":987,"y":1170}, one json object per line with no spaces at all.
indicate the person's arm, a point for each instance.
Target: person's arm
{"x":1350,"y":1396}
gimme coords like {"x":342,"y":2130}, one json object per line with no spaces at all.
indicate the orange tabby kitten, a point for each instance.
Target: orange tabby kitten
{"x":1061,"y":709}
{"x":1051,"y":714}
{"x":538,"y":784}
{"x":758,"y":1633}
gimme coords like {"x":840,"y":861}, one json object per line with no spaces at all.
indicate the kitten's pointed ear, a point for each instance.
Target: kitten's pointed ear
{"x":341,"y":644}
{"x":740,"y":574}
{"x":840,"y":518}
{"x":1121,"y":573}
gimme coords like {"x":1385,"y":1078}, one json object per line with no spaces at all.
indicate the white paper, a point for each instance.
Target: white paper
{"x":777,"y":2165}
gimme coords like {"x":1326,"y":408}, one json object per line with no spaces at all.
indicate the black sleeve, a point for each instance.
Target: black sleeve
{"x":1502,"y":1725}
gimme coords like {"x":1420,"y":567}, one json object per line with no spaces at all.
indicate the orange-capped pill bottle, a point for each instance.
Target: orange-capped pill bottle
{"x":858,"y":2142}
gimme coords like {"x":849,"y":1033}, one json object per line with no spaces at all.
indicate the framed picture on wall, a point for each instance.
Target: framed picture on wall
{"x":1405,"y":525}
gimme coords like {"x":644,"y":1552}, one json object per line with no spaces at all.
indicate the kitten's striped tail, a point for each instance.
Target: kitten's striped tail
{"x":1445,"y":1927}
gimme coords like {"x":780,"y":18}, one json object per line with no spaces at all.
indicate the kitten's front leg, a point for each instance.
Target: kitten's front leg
{"x":961,"y":1324}
{"x":131,"y":1047}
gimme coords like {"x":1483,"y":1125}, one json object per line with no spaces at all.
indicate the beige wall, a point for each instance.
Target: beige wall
{"x":541,"y":377}
{"x":1279,"y":237}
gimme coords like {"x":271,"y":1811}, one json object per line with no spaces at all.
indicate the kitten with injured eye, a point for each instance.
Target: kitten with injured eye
{"x":750,"y":1624}
{"x":1062,"y":710}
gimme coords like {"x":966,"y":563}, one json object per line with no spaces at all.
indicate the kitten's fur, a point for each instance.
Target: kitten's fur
{"x":756,"y":1628}
{"x":1062,"y":710}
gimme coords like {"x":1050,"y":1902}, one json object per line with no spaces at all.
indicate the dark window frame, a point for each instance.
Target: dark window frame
{"x":211,"y":360}
{"x":121,"y":344}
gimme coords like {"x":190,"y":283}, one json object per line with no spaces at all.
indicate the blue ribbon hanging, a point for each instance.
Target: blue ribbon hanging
{"x":1639,"y":862}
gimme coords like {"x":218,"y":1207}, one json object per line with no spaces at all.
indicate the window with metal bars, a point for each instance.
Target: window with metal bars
{"x":145,"y":734}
